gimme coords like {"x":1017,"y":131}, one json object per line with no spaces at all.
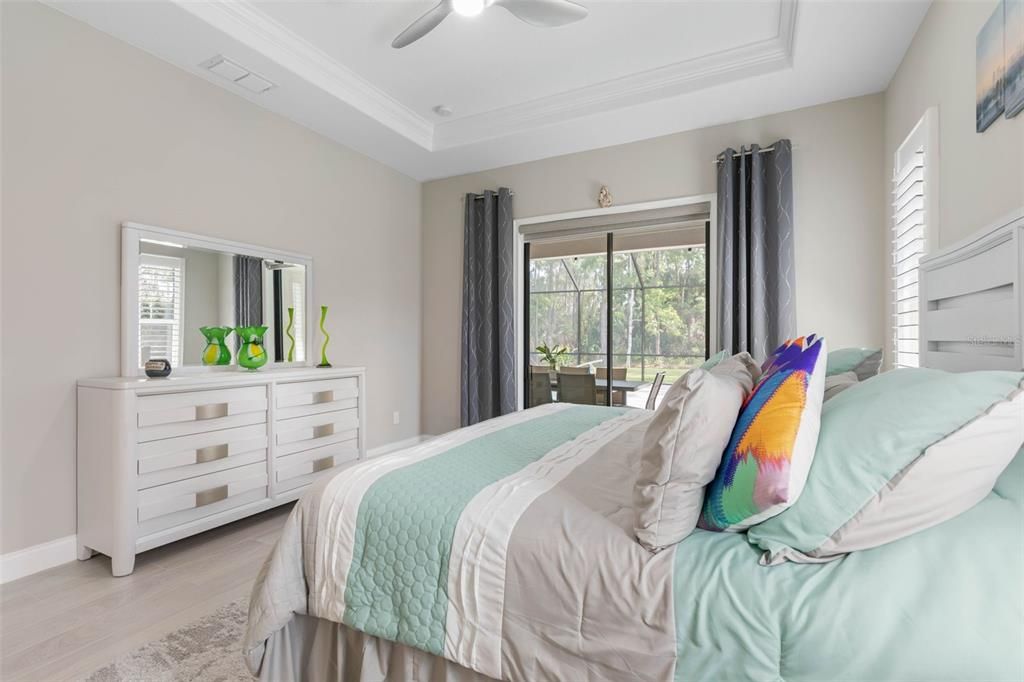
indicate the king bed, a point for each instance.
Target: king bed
{"x":508,"y":550}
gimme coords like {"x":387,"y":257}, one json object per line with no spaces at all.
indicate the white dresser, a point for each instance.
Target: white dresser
{"x":162,"y":459}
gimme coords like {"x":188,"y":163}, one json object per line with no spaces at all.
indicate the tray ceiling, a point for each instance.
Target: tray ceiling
{"x":629,"y":71}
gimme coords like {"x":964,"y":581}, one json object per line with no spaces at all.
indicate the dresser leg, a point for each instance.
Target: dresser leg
{"x":84,"y":553}
{"x":122,"y":565}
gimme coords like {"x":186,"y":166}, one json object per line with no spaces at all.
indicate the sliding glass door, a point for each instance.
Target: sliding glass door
{"x":600,"y":335}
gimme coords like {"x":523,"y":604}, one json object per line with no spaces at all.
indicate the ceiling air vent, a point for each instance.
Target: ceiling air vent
{"x":239,"y":75}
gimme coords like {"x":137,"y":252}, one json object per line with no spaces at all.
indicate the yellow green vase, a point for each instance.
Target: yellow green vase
{"x":216,"y":351}
{"x":251,"y":353}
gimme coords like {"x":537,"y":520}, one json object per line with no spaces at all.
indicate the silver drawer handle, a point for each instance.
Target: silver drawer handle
{"x":211,"y":453}
{"x":323,"y":463}
{"x":211,"y":495}
{"x":323,"y":397}
{"x":323,"y":430}
{"x":212,"y":411}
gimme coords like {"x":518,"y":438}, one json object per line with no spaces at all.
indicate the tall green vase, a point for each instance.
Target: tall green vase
{"x":327,"y":338}
{"x":216,"y":351}
{"x":251,"y":353}
{"x":291,"y":334}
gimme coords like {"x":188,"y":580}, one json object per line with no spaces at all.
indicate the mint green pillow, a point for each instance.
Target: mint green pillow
{"x":864,"y":362}
{"x":897,"y":454}
{"x":713,"y":361}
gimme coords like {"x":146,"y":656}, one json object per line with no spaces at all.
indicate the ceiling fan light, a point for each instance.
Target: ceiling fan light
{"x":468,"y":8}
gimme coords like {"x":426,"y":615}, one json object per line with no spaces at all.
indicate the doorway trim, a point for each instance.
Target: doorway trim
{"x":624,"y":209}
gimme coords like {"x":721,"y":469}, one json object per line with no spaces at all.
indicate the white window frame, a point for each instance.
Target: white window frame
{"x":179,"y":309}
{"x":915,"y":195}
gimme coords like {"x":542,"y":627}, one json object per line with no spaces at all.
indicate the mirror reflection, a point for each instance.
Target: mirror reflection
{"x":183,"y":289}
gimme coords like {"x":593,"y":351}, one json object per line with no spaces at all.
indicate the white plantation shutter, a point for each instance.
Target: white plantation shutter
{"x":161,"y":280}
{"x":909,"y":232}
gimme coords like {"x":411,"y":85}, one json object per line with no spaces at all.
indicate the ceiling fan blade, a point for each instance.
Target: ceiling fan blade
{"x":545,"y":12}
{"x":424,"y":25}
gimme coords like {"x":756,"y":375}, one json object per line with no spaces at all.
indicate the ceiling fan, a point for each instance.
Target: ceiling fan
{"x":534,"y":12}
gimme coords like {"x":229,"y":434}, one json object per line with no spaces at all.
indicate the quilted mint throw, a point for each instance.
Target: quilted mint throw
{"x":411,"y":526}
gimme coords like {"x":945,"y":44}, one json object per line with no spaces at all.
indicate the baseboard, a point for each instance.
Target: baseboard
{"x":23,"y":562}
{"x":397,"y":445}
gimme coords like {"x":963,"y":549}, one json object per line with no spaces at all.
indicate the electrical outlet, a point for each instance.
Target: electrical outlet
{"x":396,"y":417}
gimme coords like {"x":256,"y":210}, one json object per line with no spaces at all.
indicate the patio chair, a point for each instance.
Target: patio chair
{"x":576,"y":388}
{"x":540,"y":385}
{"x":652,"y":398}
{"x":618,"y":396}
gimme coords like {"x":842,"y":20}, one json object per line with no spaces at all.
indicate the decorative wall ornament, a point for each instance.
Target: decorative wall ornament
{"x":251,"y":353}
{"x":327,"y":338}
{"x":604,"y":197}
{"x":216,"y":351}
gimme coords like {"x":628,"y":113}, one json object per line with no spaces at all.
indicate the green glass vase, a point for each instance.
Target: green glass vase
{"x":216,"y":351}
{"x":291,"y":334}
{"x":251,"y":353}
{"x":327,"y":338}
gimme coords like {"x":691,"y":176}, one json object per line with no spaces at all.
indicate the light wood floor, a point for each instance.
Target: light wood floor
{"x":66,"y":622}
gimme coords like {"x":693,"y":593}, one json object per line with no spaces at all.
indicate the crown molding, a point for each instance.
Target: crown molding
{"x":257,"y":30}
{"x":748,"y":60}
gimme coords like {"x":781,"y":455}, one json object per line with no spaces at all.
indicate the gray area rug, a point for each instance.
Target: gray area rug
{"x":209,"y":649}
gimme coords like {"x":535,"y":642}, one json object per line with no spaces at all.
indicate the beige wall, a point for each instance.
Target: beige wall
{"x":96,"y":132}
{"x":981,"y":175}
{"x":839,"y":208}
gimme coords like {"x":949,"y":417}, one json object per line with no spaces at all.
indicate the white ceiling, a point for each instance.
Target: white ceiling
{"x":630,"y":70}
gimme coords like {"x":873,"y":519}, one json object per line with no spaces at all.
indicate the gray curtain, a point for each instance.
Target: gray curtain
{"x":488,"y":308}
{"x":248,"y":291}
{"x":756,"y":278}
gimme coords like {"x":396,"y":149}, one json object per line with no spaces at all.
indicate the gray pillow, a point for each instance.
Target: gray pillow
{"x":683,"y":447}
{"x":864,"y":362}
{"x":837,"y":383}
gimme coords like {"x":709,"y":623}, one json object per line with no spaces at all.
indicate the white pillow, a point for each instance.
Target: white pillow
{"x":683,"y":447}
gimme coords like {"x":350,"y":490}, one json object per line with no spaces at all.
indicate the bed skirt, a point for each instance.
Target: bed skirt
{"x":311,"y":649}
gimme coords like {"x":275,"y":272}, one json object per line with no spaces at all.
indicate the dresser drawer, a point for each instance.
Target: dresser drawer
{"x":315,"y":460}
{"x":176,"y":503}
{"x":175,"y":459}
{"x":181,"y":414}
{"x":303,"y":433}
{"x":300,"y":399}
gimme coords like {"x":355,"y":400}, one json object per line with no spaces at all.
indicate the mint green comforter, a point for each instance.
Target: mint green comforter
{"x":946,"y":603}
{"x":507,"y":549}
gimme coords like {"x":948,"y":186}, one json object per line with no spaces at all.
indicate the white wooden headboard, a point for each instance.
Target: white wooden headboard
{"x":972,"y":306}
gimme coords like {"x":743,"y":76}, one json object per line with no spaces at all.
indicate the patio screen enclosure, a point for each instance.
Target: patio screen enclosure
{"x":658,"y":309}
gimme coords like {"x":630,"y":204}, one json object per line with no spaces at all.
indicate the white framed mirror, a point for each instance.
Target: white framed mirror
{"x":173,"y":283}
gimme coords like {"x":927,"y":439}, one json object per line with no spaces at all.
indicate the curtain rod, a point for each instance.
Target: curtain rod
{"x":737,"y":155}
{"x":481,"y":196}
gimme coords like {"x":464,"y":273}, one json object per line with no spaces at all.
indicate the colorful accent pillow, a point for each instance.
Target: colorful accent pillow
{"x":766,"y":462}
{"x":683,"y":446}
{"x":864,"y":362}
{"x":897,"y":454}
